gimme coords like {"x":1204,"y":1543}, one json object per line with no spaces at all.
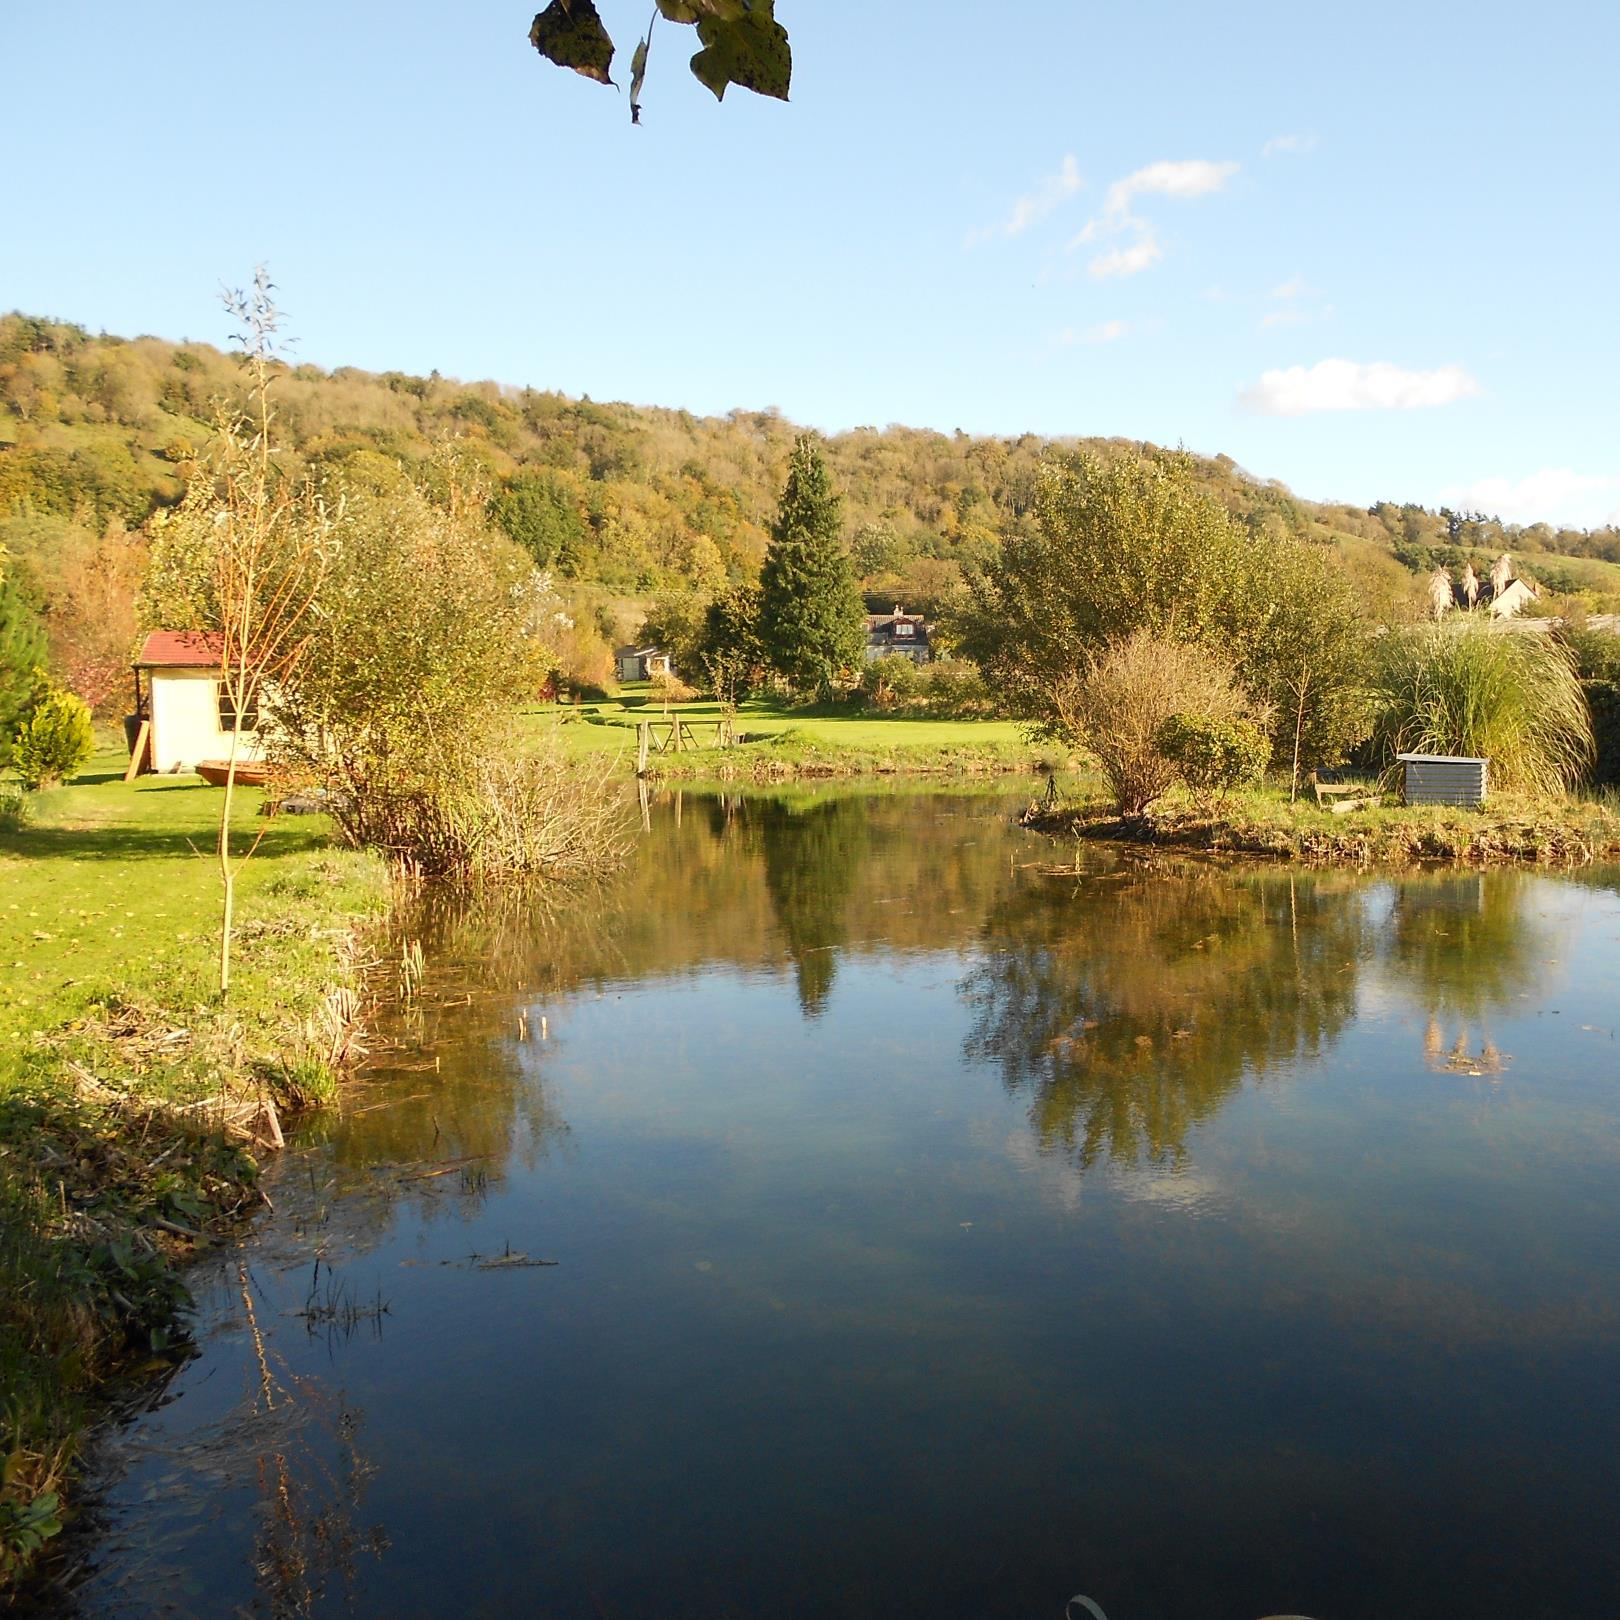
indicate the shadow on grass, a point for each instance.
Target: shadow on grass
{"x":123,"y":843}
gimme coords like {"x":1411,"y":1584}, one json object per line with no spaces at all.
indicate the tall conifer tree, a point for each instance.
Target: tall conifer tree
{"x":22,"y":653}
{"x":811,"y":615}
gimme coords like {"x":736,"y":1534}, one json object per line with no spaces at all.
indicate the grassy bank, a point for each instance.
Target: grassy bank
{"x":1509,"y":828}
{"x":776,"y":743}
{"x":130,"y":1097}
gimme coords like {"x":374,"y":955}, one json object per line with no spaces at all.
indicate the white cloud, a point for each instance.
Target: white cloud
{"x":1103,"y":332}
{"x":1295,"y":287}
{"x":1128,"y":261}
{"x":1350,"y":385}
{"x":1214,"y":295}
{"x":1297,"y":143}
{"x":1196,"y":177}
{"x":1049,"y":193}
{"x":1285,"y":317}
{"x":1552,"y":495}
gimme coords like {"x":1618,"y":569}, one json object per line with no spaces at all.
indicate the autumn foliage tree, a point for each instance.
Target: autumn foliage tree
{"x":1132,"y":545}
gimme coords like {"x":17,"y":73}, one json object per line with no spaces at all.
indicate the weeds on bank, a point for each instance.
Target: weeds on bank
{"x":1262,"y":821}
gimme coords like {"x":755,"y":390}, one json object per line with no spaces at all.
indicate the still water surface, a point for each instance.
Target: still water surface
{"x":934,"y":1236}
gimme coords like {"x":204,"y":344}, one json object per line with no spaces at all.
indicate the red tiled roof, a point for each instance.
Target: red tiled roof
{"x":179,"y":649}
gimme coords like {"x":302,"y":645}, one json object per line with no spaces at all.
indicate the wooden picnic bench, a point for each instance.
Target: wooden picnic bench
{"x":1334,"y":794}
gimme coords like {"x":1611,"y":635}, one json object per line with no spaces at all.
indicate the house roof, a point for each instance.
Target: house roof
{"x":180,"y":649}
{"x":888,"y":626}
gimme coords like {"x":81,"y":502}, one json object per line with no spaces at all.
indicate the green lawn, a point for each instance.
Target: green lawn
{"x":777,"y":740}
{"x":112,"y":1036}
{"x":113,"y":889}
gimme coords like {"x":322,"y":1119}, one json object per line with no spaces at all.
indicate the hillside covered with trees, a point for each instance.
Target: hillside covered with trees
{"x":623,"y":505}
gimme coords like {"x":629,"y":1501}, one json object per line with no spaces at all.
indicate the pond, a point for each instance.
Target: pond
{"x":935,"y":1234}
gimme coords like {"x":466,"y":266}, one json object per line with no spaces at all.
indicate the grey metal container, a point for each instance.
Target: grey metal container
{"x":1444,"y":779}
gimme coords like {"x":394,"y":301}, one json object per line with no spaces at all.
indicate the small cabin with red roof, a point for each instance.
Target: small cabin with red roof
{"x":180,"y":691}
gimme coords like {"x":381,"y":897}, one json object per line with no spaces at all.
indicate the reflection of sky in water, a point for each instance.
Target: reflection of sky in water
{"x":1112,"y":1236}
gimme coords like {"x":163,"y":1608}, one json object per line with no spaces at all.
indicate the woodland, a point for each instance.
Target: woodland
{"x":624,"y":506}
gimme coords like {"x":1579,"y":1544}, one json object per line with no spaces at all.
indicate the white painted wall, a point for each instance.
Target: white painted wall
{"x":185,"y":721}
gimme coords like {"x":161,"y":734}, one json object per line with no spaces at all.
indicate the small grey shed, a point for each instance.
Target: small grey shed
{"x":1444,"y":779}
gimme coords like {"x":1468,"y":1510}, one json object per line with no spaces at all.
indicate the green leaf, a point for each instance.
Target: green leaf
{"x":569,"y":33}
{"x":751,"y":50}
{"x":638,"y":77}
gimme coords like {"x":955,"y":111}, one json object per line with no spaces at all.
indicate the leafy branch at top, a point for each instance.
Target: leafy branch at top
{"x":742,"y":43}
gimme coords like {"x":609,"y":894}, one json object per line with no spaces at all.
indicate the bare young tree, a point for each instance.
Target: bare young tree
{"x":269,"y":537}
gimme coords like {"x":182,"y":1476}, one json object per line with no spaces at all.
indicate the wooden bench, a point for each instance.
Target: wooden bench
{"x":1333,"y":793}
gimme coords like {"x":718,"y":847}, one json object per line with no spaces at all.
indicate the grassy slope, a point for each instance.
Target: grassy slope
{"x":109,"y":1028}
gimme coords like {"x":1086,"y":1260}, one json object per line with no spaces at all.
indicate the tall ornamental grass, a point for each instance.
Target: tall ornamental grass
{"x":1509,"y":696}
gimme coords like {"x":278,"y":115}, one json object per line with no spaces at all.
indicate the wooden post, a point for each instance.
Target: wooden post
{"x":643,"y":742}
{"x":143,"y":747}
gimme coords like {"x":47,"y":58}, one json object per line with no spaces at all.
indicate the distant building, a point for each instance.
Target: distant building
{"x":897,"y":635}
{"x":642,"y":663}
{"x":1510,"y":599}
{"x":1503,"y":595}
{"x":184,"y":699}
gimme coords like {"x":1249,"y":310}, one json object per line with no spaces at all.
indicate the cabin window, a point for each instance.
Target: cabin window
{"x":904,"y":629}
{"x":227,"y":711}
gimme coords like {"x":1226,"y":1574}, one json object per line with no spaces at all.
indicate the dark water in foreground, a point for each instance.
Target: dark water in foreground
{"x":933,"y":1238}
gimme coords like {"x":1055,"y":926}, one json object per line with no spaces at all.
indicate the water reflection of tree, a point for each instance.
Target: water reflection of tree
{"x":813,"y":862}
{"x":1129,"y":1008}
{"x":1463,"y":942}
{"x":1463,"y":945}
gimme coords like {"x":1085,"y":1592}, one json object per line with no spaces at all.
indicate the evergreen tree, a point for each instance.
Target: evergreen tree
{"x":22,"y":653}
{"x":811,"y":615}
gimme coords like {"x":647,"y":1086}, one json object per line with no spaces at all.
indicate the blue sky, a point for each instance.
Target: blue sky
{"x":1371,"y":252}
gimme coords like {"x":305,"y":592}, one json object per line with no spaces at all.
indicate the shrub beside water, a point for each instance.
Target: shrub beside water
{"x":1597,"y":663}
{"x":1116,"y":706}
{"x":499,"y":818}
{"x":1214,"y":756}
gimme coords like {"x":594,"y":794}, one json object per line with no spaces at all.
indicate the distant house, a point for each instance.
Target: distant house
{"x":179,"y":690}
{"x":897,"y":635}
{"x":642,"y":663}
{"x":1503,"y":595}
{"x":1510,"y":600}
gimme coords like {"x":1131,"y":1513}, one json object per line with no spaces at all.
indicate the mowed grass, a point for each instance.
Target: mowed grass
{"x":775,"y":739}
{"x":114,"y":889}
